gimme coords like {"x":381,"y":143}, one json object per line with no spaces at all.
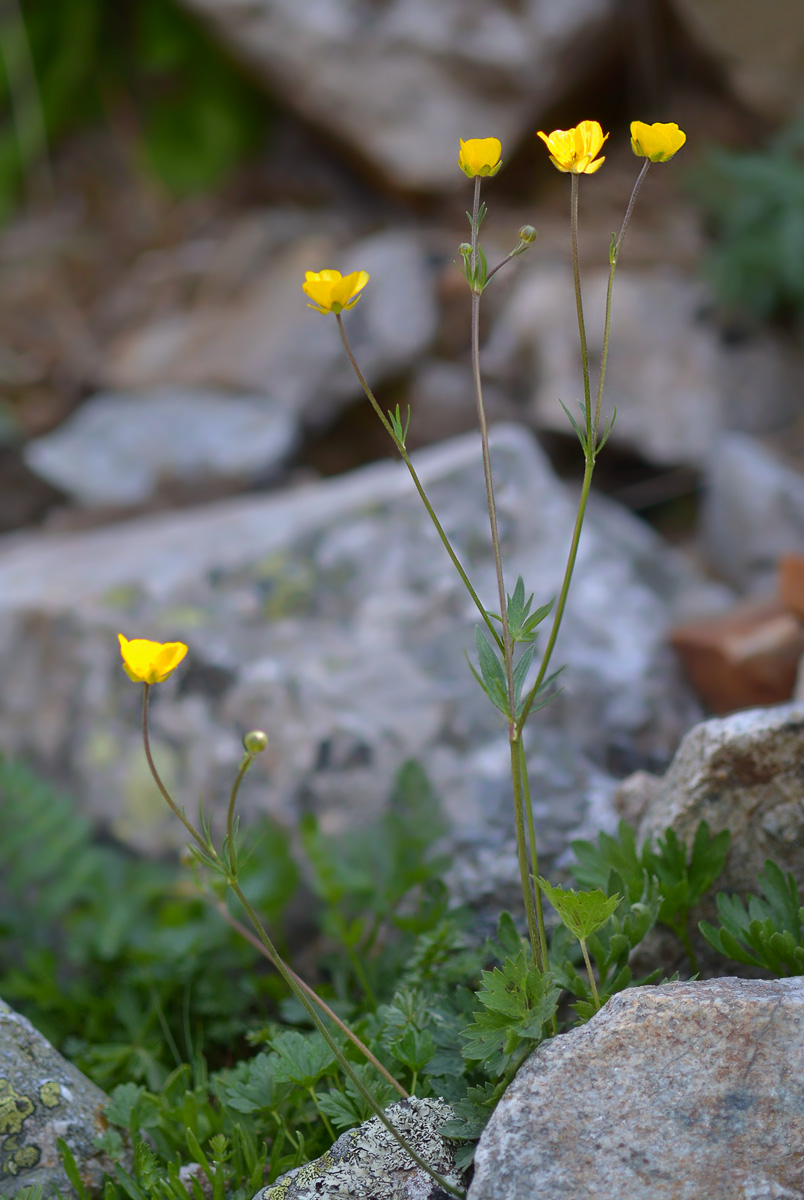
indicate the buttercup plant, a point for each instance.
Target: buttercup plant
{"x":505,"y":646}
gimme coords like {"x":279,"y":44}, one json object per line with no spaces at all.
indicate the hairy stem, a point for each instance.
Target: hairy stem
{"x":590,"y":973}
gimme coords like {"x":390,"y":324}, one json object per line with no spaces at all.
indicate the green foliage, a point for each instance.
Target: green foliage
{"x":522,"y":624}
{"x":517,"y":1002}
{"x":616,"y":866}
{"x":120,"y":963}
{"x":754,"y":202}
{"x":582,"y":913}
{"x":762,"y":932}
{"x":63,"y":66}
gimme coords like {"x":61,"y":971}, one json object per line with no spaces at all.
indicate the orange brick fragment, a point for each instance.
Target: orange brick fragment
{"x":745,"y":657}
{"x":791,"y":583}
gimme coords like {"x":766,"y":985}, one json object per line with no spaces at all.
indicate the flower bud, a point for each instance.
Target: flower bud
{"x":465,"y":249}
{"x":255,"y":742}
{"x":527,"y":234}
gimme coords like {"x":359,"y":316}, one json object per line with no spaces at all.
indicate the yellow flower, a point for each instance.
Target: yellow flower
{"x":572,"y":150}
{"x":657,"y":142}
{"x":150,"y":662}
{"x":479,"y":156}
{"x":332,"y":292}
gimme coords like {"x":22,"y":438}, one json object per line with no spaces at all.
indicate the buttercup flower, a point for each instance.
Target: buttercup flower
{"x":479,"y":156}
{"x":150,"y":662}
{"x":573,"y":150}
{"x":657,"y":142}
{"x":332,"y":292}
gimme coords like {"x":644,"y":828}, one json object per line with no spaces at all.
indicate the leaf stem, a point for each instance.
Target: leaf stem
{"x":590,"y":973}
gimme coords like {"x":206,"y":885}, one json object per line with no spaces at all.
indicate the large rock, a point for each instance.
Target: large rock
{"x":44,"y":1098}
{"x":368,"y":1162}
{"x":332,"y":617}
{"x":760,"y":49}
{"x":675,"y":383}
{"x":678,"y":1092}
{"x":742,"y":773}
{"x":120,"y":449}
{"x":265,"y":339}
{"x":400,"y":82}
{"x":753,"y":512}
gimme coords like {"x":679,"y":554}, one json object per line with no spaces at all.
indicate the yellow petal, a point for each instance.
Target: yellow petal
{"x":150,"y":662}
{"x":479,"y":156}
{"x":658,"y":142}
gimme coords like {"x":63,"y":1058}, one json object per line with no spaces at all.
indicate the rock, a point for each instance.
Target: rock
{"x":442,"y":402}
{"x":753,"y":512}
{"x":400,"y":83}
{"x":265,"y":339}
{"x":740,"y":773}
{"x":43,"y":1098}
{"x":331,"y":617}
{"x":742,"y":658}
{"x":675,"y":383}
{"x":119,"y":448}
{"x":368,"y":1162}
{"x":791,"y":583}
{"x":677,"y":1092}
{"x":760,"y":51}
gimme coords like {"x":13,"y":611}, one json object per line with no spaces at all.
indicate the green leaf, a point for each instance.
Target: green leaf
{"x":301,"y":1058}
{"x":517,"y":999}
{"x":583,"y":913}
{"x":492,"y":674}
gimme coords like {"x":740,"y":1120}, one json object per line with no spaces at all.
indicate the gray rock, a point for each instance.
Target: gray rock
{"x":678,"y":1092}
{"x":675,"y":383}
{"x":265,"y":339}
{"x":43,"y":1098}
{"x":402,"y":81}
{"x":118,"y":449}
{"x":331,"y":617}
{"x":742,"y":773}
{"x":753,"y":512}
{"x":759,"y":51}
{"x":368,"y":1162}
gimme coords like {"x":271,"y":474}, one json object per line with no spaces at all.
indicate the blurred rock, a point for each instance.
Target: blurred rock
{"x":119,"y":448}
{"x":759,"y":47}
{"x":42,"y":1098}
{"x":368,"y":1162}
{"x":265,"y":340}
{"x":442,"y":402}
{"x":677,"y":1092}
{"x":741,"y":658}
{"x":742,"y":773}
{"x":791,"y":583}
{"x":753,"y":512}
{"x":331,"y":616}
{"x":674,"y":382}
{"x":400,"y":82}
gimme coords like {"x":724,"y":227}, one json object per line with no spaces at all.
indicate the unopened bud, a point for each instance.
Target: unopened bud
{"x":527,"y":234}
{"x":465,"y":249}
{"x":255,"y":742}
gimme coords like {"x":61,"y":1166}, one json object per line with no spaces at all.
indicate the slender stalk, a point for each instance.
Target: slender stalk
{"x":576,"y":276}
{"x":525,"y":875}
{"x":336,"y":1050}
{"x":543,"y":958}
{"x":313,"y":995}
{"x":507,"y":646}
{"x":590,"y":973}
{"x":614,"y":254}
{"x":166,"y":796}
{"x":417,"y":482}
{"x":248,"y":759}
{"x":290,"y":979}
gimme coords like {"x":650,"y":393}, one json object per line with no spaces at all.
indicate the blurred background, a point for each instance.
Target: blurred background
{"x":168,"y":171}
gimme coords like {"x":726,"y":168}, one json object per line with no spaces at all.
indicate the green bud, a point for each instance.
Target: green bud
{"x":527,"y":234}
{"x":255,"y":742}
{"x":465,"y":249}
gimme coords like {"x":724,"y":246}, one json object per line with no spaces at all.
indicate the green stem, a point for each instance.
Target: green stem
{"x":681,"y":931}
{"x":335,"y":1048}
{"x":524,"y":875}
{"x":576,"y":277}
{"x":417,"y":482}
{"x":248,"y":759}
{"x":166,"y":796}
{"x":614,"y":254}
{"x":316,"y":999}
{"x":263,"y":942}
{"x":322,"y":1115}
{"x":543,"y":958}
{"x":590,"y":973}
